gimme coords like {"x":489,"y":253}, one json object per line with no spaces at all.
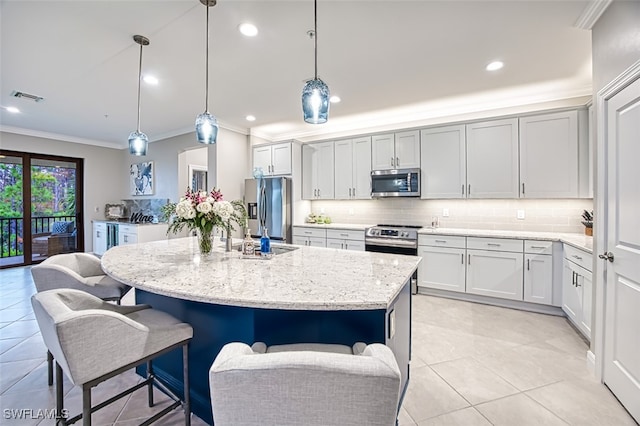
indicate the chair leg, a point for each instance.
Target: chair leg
{"x":59,"y":395}
{"x":49,"y":367}
{"x":86,"y":405}
{"x":150,"y":385}
{"x":187,"y":396}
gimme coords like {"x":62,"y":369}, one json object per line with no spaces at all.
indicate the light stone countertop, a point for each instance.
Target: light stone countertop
{"x":354,"y":226}
{"x":308,"y":278}
{"x":126,"y":222}
{"x":580,"y":241}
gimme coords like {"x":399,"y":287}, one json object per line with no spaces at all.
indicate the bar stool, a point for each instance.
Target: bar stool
{"x":93,"y":340}
{"x":81,"y":271}
{"x":304,"y":384}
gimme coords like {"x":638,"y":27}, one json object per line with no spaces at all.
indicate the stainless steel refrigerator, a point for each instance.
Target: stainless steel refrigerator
{"x":268,"y":202}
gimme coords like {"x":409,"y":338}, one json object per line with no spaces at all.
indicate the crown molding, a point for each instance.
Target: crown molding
{"x":591,"y":14}
{"x":58,"y":137}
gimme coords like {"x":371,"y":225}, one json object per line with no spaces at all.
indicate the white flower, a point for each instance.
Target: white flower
{"x":185,"y":210}
{"x":204,"y":207}
{"x":224,"y":209}
{"x":210,"y":200}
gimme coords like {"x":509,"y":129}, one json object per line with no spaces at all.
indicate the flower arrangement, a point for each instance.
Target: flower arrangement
{"x":202,"y":211}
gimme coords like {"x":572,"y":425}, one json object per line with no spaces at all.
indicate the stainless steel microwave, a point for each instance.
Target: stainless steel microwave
{"x":395,"y":183}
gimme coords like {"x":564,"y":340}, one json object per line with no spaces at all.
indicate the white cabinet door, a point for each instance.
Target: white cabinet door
{"x":317,"y":171}
{"x":317,"y":242}
{"x":343,"y":151}
{"x":361,"y":180}
{"x":354,"y":245}
{"x":585,"y":281}
{"x":300,"y":241}
{"x":99,"y":238}
{"x":281,"y":159}
{"x":443,"y":160}
{"x":492,"y":159}
{"x":383,"y":152}
{"x":125,"y":238}
{"x":538,"y":278}
{"x":571,"y":292}
{"x":335,"y":243}
{"x":495,"y":274}
{"x":407,"y":150}
{"x":262,"y":159}
{"x":549,"y":155}
{"x":442,"y":268}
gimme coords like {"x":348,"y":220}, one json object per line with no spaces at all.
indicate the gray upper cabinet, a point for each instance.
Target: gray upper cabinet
{"x":492,"y":159}
{"x":273,"y":159}
{"x":395,"y":151}
{"x":318,"y":171}
{"x":549,"y":155}
{"x":444,"y":163}
{"x":353,"y":168}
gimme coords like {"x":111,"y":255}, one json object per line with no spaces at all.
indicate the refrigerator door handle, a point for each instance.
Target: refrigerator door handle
{"x":263,"y":206}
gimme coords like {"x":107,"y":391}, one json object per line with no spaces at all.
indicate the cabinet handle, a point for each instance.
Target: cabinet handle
{"x":308,"y":232}
{"x":344,"y":235}
{"x":493,"y":245}
{"x":537,"y":247}
{"x":577,"y":257}
{"x":354,"y":192}
{"x":125,"y":239}
{"x":318,"y":192}
{"x":463,"y":189}
{"x":392,"y":162}
{"x":468,"y":190}
{"x":441,"y":241}
{"x":523,"y":189}
{"x":462,"y":258}
{"x":469,"y":259}
{"x":574,"y":280}
{"x":349,"y":192}
{"x":97,"y":234}
{"x":528,"y":268}
{"x":397,"y":161}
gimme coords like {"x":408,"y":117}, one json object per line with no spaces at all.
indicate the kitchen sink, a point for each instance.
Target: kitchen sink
{"x":276,"y":249}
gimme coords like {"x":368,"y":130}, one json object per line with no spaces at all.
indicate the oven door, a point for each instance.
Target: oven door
{"x":410,"y":251}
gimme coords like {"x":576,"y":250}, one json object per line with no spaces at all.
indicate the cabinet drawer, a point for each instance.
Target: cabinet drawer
{"x":578,"y":256}
{"x":538,"y":247}
{"x":345,"y":234}
{"x":309,"y":232}
{"x":127,"y":229}
{"x":497,"y":244}
{"x":442,"y":241}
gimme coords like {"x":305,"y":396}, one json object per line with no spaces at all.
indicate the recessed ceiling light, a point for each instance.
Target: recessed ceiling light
{"x":149,"y":79}
{"x":13,"y":110}
{"x":495,"y":65}
{"x":250,"y":118}
{"x":334,"y":99}
{"x":248,"y":29}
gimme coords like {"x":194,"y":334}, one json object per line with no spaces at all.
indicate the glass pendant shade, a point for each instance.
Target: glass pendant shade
{"x":315,"y":101}
{"x":206,"y":128}
{"x":138,"y":143}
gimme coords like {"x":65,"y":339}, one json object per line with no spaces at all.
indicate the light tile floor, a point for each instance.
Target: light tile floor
{"x":472,"y":365}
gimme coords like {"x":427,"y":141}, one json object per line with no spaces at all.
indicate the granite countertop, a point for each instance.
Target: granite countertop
{"x":126,"y":222}
{"x":580,"y":241}
{"x":354,"y":226}
{"x":308,"y":278}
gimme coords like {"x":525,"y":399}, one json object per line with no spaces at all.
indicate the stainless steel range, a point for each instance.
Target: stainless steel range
{"x":395,"y":239}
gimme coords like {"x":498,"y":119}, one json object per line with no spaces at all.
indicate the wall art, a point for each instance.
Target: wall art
{"x":141,"y":178}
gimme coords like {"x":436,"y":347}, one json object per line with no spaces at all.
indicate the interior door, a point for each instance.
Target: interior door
{"x":622,"y":287}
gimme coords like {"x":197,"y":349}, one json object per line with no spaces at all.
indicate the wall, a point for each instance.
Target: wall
{"x":100,"y":165}
{"x":615,"y":41}
{"x":540,"y":215}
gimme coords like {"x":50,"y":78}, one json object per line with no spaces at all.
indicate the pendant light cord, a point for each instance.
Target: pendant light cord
{"x":206,"y":79}
{"x":139,"y":79}
{"x":315,"y":35}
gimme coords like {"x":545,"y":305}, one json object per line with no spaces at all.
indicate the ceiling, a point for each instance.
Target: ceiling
{"x":390,"y":61}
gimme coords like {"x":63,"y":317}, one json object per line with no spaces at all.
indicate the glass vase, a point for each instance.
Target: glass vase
{"x":205,"y":241}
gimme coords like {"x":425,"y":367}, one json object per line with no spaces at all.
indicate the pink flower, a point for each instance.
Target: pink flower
{"x":216,"y":194}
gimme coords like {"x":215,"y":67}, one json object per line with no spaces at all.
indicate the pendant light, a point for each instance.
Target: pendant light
{"x":138,"y":141}
{"x":315,"y":94}
{"x":206,"y":123}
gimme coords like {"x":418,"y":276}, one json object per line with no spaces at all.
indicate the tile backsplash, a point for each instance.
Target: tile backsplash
{"x":539,"y":215}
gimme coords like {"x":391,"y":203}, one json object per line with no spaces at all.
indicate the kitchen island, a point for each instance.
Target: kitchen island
{"x":304,"y":294}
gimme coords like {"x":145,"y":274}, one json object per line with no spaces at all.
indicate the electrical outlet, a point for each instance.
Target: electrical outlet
{"x":520,"y":214}
{"x":445,"y":212}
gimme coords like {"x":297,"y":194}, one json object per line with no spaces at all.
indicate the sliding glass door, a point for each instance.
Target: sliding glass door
{"x":51,"y":222}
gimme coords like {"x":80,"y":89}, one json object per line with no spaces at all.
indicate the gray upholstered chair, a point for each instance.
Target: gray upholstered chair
{"x":306,"y":384}
{"x":93,"y":340}
{"x":81,"y":271}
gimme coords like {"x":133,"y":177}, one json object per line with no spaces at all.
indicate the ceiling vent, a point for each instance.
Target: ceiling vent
{"x":17,"y":94}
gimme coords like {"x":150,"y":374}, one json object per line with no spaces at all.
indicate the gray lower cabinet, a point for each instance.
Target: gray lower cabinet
{"x":443,"y":263}
{"x":538,"y":272}
{"x":577,"y":288}
{"x":314,"y":237}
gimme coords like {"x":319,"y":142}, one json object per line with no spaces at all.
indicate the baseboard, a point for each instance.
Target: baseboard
{"x":591,"y":363}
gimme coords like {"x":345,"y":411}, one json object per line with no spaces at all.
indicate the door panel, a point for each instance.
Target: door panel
{"x":622,"y":287}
